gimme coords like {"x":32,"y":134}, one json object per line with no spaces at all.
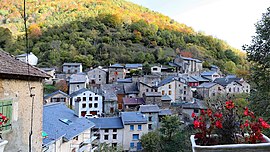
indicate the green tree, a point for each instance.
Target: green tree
{"x":258,"y":53}
{"x":230,"y":67}
{"x":151,"y":142}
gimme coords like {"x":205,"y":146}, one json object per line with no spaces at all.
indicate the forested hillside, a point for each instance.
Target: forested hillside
{"x":100,"y":32}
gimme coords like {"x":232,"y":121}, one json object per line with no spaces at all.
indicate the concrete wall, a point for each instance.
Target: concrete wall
{"x":108,"y":105}
{"x":128,"y":135}
{"x":118,"y":140}
{"x":59,"y":95}
{"x":18,"y":92}
{"x":76,"y":86}
{"x":72,"y":69}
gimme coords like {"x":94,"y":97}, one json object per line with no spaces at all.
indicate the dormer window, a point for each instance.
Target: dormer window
{"x":66,"y":121}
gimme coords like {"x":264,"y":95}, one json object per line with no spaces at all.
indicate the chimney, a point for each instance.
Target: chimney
{"x":77,"y":108}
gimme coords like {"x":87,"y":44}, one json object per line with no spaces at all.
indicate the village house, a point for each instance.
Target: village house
{"x":21,"y":100}
{"x":116,"y":71}
{"x":211,"y":75}
{"x":64,"y":131}
{"x":155,"y":69}
{"x":135,"y":125}
{"x":131,"y":90}
{"x":233,"y":85}
{"x":77,"y":81}
{"x":187,"y":65}
{"x":132,"y":104}
{"x":97,"y":76}
{"x":57,"y":96}
{"x":71,"y":68}
{"x":32,"y":58}
{"x":85,"y":102}
{"x":210,"y":89}
{"x":151,"y":112}
{"x":51,"y":72}
{"x":109,"y":130}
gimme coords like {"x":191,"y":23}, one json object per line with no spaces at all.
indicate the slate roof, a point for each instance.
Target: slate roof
{"x":107,"y":123}
{"x":134,"y":65}
{"x":127,"y":80}
{"x":166,"y":80}
{"x":79,"y":92}
{"x":153,"y":94}
{"x":200,"y":79}
{"x":149,"y":108}
{"x":78,"y":78}
{"x":226,"y":81}
{"x":47,"y":69}
{"x":164,"y":112}
{"x":207,"y":85}
{"x":98,"y":68}
{"x":208,"y":73}
{"x":166,"y":98}
{"x":56,"y":92}
{"x":191,"y":59}
{"x":110,"y":91}
{"x":133,"y":101}
{"x":72,"y":64}
{"x":9,"y":65}
{"x":133,"y":118}
{"x":116,"y":66}
{"x":189,"y":78}
{"x":131,"y":88}
{"x":56,"y":129}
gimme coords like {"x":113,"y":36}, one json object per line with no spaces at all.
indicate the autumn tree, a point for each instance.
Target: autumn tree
{"x":34,"y":31}
{"x":62,"y":85}
{"x":258,"y":53}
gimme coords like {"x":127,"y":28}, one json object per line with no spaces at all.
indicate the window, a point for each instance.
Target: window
{"x":99,"y":76}
{"x":135,"y":136}
{"x":95,"y":105}
{"x":84,"y":105}
{"x":106,"y":130}
{"x":131,"y":127}
{"x":185,"y":92}
{"x":114,"y":130}
{"x":90,"y":105}
{"x":66,"y":121}
{"x":170,"y":86}
{"x":84,"y":98}
{"x":76,"y":71}
{"x":139,"y":127}
{"x":75,"y":138}
{"x":196,"y":110}
{"x":114,"y":144}
{"x":78,"y":86}
{"x":106,"y":137}
{"x":184,"y":98}
{"x":185,"y":87}
{"x":150,"y":126}
{"x":90,"y":98}
{"x":170,"y":92}
{"x":154,"y":69}
{"x":78,"y":98}
{"x":139,"y":146}
{"x":146,"y":90}
{"x":230,"y":89}
{"x":149,"y":118}
{"x":163,"y":92}
{"x":132,"y":145}
{"x":213,"y":94}
{"x":96,"y":98}
{"x":114,"y":136}
{"x":238,"y":90}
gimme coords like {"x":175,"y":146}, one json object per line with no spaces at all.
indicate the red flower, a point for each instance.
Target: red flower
{"x":202,"y":112}
{"x":218,"y":115}
{"x":193,"y":115}
{"x":218,"y":124}
{"x":246,"y":111}
{"x":229,"y":105}
{"x":246,"y":124}
{"x":209,"y":112}
{"x":263,"y":123}
{"x":196,"y":124}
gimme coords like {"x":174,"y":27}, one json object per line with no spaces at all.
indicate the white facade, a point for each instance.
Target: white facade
{"x":156,"y":69}
{"x":235,"y":87}
{"x":87,"y":102}
{"x":32,"y":59}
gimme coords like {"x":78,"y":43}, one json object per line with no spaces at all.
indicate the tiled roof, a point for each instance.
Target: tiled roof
{"x":134,"y":65}
{"x":56,"y":92}
{"x":116,"y":66}
{"x":153,"y":94}
{"x":200,"y":79}
{"x":110,"y":91}
{"x":149,"y":108}
{"x":133,"y":101}
{"x":78,"y":78}
{"x":72,"y":64}
{"x":107,"y":122}
{"x":166,"y":80}
{"x":133,"y":118}
{"x":164,"y":112}
{"x":126,"y":80}
{"x":55,"y":128}
{"x":208,"y":73}
{"x":9,"y":65}
{"x":166,"y":98}
{"x":226,"y":81}
{"x":207,"y":85}
{"x":131,"y":88}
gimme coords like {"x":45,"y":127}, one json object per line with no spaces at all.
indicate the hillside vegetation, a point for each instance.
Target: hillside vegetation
{"x":101,"y":32}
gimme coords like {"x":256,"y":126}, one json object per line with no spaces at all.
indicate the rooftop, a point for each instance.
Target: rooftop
{"x":133,"y":101}
{"x":116,"y":66}
{"x":208,"y":73}
{"x":133,"y":118}
{"x":226,"y":81}
{"x":110,"y":91}
{"x":131,"y":88}
{"x":134,"y":65}
{"x":56,"y":92}
{"x":78,"y":78}
{"x":149,"y":108}
{"x":72,"y":64}
{"x":207,"y":85}
{"x":9,"y":65}
{"x":107,"y":123}
{"x":164,"y":112}
{"x":60,"y":121}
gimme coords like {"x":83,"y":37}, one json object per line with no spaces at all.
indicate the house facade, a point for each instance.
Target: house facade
{"x":32,"y":58}
{"x":116,"y":71}
{"x":51,"y":72}
{"x":210,"y":89}
{"x":97,"y":76}
{"x":151,"y":112}
{"x":23,"y":105}
{"x":135,"y":125}
{"x":57,"y":96}
{"x":86,"y":102}
{"x":77,"y":81}
{"x":71,"y":68}
{"x":233,"y":85}
{"x":187,"y":65}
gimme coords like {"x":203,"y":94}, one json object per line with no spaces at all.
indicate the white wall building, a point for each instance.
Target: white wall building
{"x":32,"y":59}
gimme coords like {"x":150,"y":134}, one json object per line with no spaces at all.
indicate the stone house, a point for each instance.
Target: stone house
{"x":71,"y":68}
{"x":51,"y":72}
{"x":210,"y":89}
{"x":109,"y":130}
{"x":135,"y":125}
{"x":145,"y":88}
{"x":32,"y":58}
{"x":57,"y":96}
{"x":234,"y":85}
{"x":151,"y":112}
{"x":116,"y":71}
{"x":187,"y":65}
{"x":132,"y":104}
{"x":21,"y":100}
{"x":64,"y":131}
{"x":77,"y":81}
{"x":131,"y":90}
{"x":86,"y":102}
{"x":97,"y":76}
